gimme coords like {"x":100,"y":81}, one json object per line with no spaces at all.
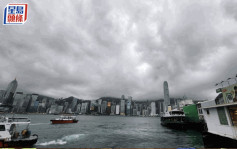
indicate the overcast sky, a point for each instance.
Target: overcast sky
{"x":94,"y":48}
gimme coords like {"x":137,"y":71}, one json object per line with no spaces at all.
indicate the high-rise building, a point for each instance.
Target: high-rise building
{"x":23,"y":103}
{"x":60,"y":109}
{"x":84,"y":107}
{"x":42,"y":107}
{"x":108,"y":108}
{"x":128,"y":107}
{"x":26,"y":103}
{"x":153,"y":108}
{"x":2,"y":92}
{"x":51,"y":101}
{"x":18,"y":98}
{"x":10,"y":91}
{"x":103,"y":107}
{"x":99,"y":105}
{"x":113,"y":109}
{"x":65,"y":107}
{"x":33,"y":107}
{"x":117,"y":109}
{"x":122,"y":107}
{"x":78,"y":109}
{"x":93,"y":107}
{"x":161,"y":108}
{"x":73,"y":104}
{"x":53,"y":109}
{"x":166,"y":96}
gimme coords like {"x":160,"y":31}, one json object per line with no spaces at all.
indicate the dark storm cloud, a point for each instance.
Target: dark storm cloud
{"x":90,"y":49}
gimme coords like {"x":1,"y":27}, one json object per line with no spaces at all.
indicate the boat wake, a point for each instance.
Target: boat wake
{"x":63,"y":140}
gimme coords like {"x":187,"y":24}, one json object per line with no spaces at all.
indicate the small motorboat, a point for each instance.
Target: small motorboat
{"x":10,"y":137}
{"x":64,"y":120}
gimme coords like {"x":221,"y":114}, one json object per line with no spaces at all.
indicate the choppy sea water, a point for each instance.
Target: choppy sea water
{"x":110,"y":132}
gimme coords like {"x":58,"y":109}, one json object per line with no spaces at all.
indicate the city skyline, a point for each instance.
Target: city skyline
{"x":89,"y":49}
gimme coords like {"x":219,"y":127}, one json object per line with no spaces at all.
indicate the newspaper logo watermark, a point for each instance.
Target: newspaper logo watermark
{"x":15,"y":14}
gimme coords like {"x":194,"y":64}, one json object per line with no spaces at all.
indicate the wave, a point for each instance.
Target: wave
{"x":38,"y":123}
{"x":54,"y":142}
{"x":63,"y":140}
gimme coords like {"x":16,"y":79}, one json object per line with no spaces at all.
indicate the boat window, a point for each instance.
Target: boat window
{"x":200,"y":111}
{"x":208,"y":111}
{"x":233,"y":114}
{"x":222,"y":116}
{"x":2,"y":127}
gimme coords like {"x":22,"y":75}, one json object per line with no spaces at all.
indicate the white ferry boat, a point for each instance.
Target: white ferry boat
{"x":174,"y":119}
{"x":221,"y":118}
{"x":10,"y":137}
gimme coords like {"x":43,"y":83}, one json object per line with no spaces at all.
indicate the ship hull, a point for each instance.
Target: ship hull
{"x":173,"y":122}
{"x":175,"y":125}
{"x":63,"y":121}
{"x":16,"y":143}
{"x":215,"y":141}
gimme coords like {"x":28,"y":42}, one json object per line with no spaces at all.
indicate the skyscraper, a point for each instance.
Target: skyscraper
{"x":10,"y":91}
{"x":32,"y":108}
{"x":18,"y":99}
{"x":129,"y":103}
{"x":153,"y":108}
{"x":2,"y":92}
{"x":122,"y":107}
{"x":166,"y":96}
{"x":117,"y":109}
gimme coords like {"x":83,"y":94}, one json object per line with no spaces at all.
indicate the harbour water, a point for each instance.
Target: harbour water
{"x":110,"y":132}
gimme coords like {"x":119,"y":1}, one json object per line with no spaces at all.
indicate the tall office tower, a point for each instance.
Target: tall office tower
{"x":161,"y":107}
{"x":103,"y":107}
{"x":122,"y":107}
{"x":33,"y":105}
{"x":122,"y":97}
{"x":113,"y":109}
{"x":10,"y":91}
{"x":65,"y":107}
{"x":129,"y":103}
{"x":17,"y":99}
{"x":99,"y":105}
{"x":20,"y":102}
{"x":26,"y":103}
{"x":73,"y":104}
{"x":93,"y":106}
{"x":60,"y":109}
{"x":53,"y":109}
{"x":166,"y":96}
{"x":108,"y":108}
{"x":44,"y":104}
{"x":51,"y":101}
{"x":78,"y":110}
{"x":153,"y":108}
{"x":117,"y":109}
{"x":84,"y":107}
{"x":2,"y":92}
{"x":134,"y":113}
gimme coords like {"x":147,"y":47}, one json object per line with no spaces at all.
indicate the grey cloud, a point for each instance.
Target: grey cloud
{"x":90,"y":49}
